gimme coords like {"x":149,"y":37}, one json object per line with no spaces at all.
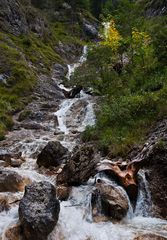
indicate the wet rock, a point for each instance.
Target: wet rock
{"x":16,"y":162}
{"x":32,"y":125}
{"x":157,"y":178}
{"x":80,"y":167}
{"x":72,"y":93}
{"x":11,"y":181}
{"x":150,"y":236}
{"x":125,"y":174}
{"x":6,"y":156}
{"x":39,"y":211}
{"x":113,"y":202}
{"x":13,"y":232}
{"x":10,"y":159}
{"x":59,"y":71}
{"x":2,"y":163}
{"x":90,"y":29}
{"x":69,"y":51}
{"x":48,"y":88}
{"x":53,"y":154}
{"x":153,"y":156}
{"x":8,"y":200}
{"x":4,"y":205}
{"x":63,"y":192}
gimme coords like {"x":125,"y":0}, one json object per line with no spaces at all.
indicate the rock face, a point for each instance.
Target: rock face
{"x":80,"y":167}
{"x":53,"y":154}
{"x":150,"y":236}
{"x":11,"y":181}
{"x":18,"y":17}
{"x":13,"y":17}
{"x":154,"y":157}
{"x":39,"y":211}
{"x":157,"y":178}
{"x":112,"y":201}
{"x":90,"y":29}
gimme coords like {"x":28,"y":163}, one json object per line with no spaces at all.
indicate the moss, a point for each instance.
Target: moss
{"x":162,"y":144}
{"x":24,"y":114}
{"x":2,"y":132}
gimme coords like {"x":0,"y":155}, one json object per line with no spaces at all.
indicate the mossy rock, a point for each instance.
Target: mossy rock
{"x":24,"y":114}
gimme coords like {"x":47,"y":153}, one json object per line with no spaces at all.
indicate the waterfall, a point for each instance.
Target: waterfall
{"x":74,"y":66}
{"x":144,"y":203}
{"x":61,"y":114}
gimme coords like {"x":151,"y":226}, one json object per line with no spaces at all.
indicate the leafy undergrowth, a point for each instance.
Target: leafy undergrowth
{"x":133,"y":96}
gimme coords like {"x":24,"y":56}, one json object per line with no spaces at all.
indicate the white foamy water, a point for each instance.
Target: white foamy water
{"x":62,"y":112}
{"x":74,"y":66}
{"x":144,"y":203}
{"x":75,"y":222}
{"x":7,"y":218}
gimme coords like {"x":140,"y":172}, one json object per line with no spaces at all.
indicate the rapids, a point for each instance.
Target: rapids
{"x":75,"y":220}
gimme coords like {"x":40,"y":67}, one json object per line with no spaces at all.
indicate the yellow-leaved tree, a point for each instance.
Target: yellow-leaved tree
{"x":112,"y":37}
{"x":142,"y":47}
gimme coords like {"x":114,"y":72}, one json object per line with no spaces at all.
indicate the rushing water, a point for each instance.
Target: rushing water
{"x":75,"y":220}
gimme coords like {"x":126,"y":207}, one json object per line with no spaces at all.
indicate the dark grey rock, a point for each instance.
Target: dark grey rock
{"x":14,"y":19}
{"x":80,"y":167}
{"x":90,"y":29}
{"x":39,"y":211}
{"x":53,"y":154}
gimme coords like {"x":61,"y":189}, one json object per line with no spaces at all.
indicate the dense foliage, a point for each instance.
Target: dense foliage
{"x":128,"y":70}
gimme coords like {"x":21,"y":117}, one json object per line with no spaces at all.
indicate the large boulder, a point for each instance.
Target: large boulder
{"x":53,"y":154}
{"x":80,"y":167}
{"x":11,"y":181}
{"x":39,"y":211}
{"x":113,"y":202}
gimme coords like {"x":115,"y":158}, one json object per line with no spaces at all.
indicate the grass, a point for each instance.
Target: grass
{"x":23,"y":58}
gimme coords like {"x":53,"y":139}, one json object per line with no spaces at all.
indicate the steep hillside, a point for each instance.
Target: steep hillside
{"x":128,"y":68}
{"x":34,"y":35}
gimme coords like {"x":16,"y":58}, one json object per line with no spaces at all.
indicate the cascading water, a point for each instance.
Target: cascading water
{"x":144,"y":203}
{"x":75,"y":220}
{"x":72,"y":67}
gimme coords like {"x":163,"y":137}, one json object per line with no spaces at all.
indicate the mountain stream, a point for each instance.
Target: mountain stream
{"x":75,"y":219}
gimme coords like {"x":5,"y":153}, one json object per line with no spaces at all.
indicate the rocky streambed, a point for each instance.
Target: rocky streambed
{"x":66,"y":198}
